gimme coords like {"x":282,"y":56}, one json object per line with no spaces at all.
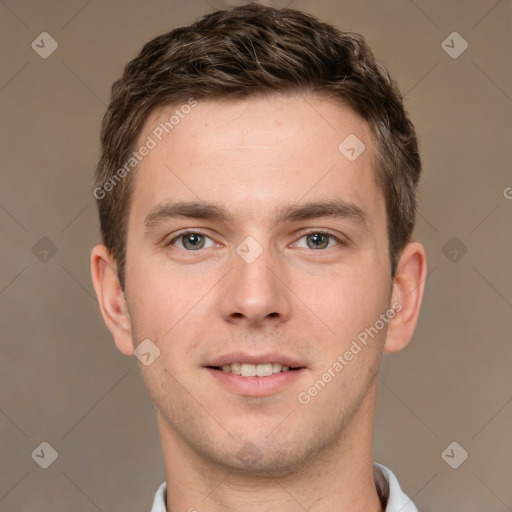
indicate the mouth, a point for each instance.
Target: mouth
{"x":255,"y":375}
{"x":254,"y":370}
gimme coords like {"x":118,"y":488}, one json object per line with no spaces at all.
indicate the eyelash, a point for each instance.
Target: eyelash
{"x":312,"y":232}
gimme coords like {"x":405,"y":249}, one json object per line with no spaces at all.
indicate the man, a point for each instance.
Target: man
{"x":256,"y":193}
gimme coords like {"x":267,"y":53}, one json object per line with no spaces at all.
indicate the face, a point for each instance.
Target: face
{"x":255,"y":244}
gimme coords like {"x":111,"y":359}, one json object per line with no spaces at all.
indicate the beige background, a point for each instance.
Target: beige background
{"x":64,"y":382}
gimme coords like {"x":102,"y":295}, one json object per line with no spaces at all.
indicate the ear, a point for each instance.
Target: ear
{"x":408,"y":286}
{"x":111,"y":298}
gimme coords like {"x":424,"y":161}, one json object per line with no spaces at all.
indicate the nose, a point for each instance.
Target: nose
{"x":254,"y":292}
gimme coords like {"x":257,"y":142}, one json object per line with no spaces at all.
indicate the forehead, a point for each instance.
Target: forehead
{"x":256,"y":153}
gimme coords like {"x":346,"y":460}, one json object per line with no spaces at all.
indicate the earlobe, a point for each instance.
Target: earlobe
{"x":408,"y":286}
{"x":113,"y":306}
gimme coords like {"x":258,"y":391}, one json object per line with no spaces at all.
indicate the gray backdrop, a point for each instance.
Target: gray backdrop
{"x":63,"y":381}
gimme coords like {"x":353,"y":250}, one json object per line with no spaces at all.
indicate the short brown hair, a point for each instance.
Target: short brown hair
{"x":243,"y":52}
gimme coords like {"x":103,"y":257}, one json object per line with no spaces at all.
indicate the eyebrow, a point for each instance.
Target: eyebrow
{"x":336,"y":208}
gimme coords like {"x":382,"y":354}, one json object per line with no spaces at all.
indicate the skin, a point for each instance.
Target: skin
{"x":254,"y":157}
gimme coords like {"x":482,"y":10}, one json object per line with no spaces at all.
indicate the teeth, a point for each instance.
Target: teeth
{"x":253,"y":370}
{"x":264,"y":370}
{"x":248,"y":370}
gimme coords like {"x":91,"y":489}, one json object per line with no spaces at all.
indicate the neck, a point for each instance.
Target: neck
{"x":338,"y":479}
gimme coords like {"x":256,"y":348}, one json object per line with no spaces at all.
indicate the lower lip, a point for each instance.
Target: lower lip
{"x":256,"y":386}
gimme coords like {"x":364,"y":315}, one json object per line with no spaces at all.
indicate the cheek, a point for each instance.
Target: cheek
{"x":156,"y":289}
{"x":169,"y":306}
{"x":347,"y":300}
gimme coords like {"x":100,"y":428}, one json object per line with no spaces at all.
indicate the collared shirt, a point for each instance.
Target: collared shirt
{"x":388,"y":488}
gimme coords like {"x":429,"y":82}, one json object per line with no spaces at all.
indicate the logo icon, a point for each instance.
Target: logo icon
{"x":249,"y":249}
{"x":249,"y":454}
{"x":146,"y":352}
{"x":454,"y":45}
{"x":351,"y":147}
{"x":44,"y":45}
{"x":44,"y":250}
{"x":45,"y":455}
{"x":454,"y":249}
{"x":454,"y":455}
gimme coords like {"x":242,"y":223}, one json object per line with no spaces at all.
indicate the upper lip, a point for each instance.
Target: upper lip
{"x":243,"y":357}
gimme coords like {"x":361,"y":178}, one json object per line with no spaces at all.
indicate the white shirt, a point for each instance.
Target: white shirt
{"x":387,"y":486}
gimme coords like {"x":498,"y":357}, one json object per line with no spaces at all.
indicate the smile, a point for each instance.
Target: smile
{"x":254,"y":370}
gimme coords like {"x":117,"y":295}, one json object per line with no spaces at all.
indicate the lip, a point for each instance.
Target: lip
{"x":255,"y":386}
{"x":243,"y":357}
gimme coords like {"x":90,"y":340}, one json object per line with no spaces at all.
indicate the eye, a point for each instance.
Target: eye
{"x":319,"y":240}
{"x":191,"y":241}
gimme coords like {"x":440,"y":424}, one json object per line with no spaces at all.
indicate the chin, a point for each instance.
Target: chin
{"x":260,"y":458}
{"x":266,"y":466}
